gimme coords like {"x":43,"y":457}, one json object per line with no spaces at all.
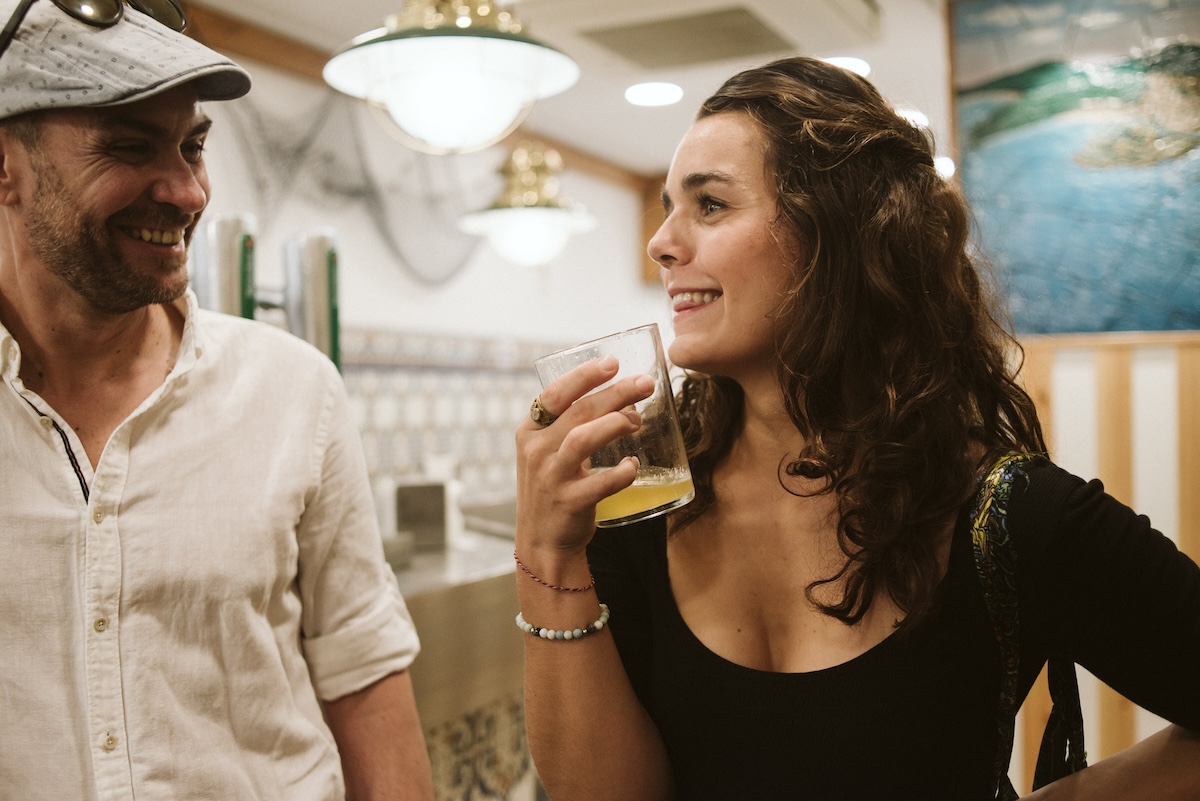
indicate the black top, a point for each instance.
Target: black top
{"x":915,"y":716}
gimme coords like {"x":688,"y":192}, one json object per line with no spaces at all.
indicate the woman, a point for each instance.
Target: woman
{"x":811,"y":625}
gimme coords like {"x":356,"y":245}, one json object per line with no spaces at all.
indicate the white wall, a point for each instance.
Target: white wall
{"x":910,"y":62}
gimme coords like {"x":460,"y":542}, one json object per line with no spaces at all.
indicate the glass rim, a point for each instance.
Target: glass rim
{"x":593,"y":342}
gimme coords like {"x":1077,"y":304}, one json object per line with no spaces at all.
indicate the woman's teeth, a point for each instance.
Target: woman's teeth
{"x":698,"y":298}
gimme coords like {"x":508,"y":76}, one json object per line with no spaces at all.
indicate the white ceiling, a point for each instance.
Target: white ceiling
{"x":904,"y":40}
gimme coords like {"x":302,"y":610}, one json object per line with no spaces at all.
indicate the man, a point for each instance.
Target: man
{"x":194,"y":603}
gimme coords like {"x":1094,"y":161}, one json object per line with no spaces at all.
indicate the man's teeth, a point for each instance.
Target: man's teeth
{"x":695,"y":297}
{"x":157,"y":236}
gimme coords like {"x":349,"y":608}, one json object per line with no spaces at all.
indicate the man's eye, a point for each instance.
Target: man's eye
{"x":193,"y":151}
{"x":131,"y":150}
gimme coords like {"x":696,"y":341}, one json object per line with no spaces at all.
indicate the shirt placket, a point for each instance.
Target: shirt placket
{"x":102,"y":623}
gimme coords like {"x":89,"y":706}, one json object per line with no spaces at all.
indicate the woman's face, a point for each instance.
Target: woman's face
{"x":725,"y":268}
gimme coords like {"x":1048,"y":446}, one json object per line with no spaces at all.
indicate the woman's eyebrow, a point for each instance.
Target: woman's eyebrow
{"x":695,"y":180}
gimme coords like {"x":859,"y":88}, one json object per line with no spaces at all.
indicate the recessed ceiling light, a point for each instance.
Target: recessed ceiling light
{"x":653,"y":93}
{"x":944,"y":166}
{"x":850,"y":63}
{"x":917,"y":118}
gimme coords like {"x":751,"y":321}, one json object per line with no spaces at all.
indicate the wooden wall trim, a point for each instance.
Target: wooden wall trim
{"x":652,"y":217}
{"x":1188,"y":365}
{"x":1106,"y":339}
{"x":1114,"y":441}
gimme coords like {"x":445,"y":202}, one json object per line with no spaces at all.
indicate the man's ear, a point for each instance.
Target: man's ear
{"x":12,"y":155}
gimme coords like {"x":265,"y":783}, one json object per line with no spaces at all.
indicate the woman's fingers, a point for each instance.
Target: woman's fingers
{"x":557,"y":492}
{"x":559,"y":395}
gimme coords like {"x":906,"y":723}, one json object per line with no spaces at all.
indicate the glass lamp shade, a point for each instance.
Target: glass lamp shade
{"x":527,"y":235}
{"x":451,"y":90}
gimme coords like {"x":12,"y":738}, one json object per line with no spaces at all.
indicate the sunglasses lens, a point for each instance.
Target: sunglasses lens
{"x":101,"y":13}
{"x":165,"y":12}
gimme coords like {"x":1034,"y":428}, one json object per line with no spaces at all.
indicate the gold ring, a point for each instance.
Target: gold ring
{"x":540,"y":414}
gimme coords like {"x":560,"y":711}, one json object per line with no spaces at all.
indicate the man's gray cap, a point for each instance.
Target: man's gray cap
{"x":57,"y":61}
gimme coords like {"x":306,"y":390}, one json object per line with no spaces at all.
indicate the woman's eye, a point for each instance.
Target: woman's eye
{"x":709,"y":205}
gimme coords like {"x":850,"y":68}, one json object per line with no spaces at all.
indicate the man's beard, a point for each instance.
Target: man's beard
{"x":81,"y":251}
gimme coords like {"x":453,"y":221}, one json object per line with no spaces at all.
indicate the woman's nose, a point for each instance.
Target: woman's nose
{"x":662,"y":247}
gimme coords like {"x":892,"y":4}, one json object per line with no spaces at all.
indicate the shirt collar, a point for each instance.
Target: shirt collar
{"x":189,"y":344}
{"x":10,"y":354}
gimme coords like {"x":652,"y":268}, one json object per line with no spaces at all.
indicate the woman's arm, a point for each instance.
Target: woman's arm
{"x":589,"y":735}
{"x":1120,"y":599}
{"x":1163,"y":767}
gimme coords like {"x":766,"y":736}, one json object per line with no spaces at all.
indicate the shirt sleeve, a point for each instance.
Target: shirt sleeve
{"x":1100,"y":586}
{"x":355,"y":627}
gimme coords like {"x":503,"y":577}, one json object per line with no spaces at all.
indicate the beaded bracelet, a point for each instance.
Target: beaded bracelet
{"x":564,"y":634}
{"x":529,"y":573}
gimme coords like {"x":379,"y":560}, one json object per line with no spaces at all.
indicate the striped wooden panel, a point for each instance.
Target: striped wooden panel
{"x":1113,"y":357}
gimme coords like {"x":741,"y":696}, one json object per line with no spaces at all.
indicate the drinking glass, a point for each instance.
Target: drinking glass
{"x":664,"y":480}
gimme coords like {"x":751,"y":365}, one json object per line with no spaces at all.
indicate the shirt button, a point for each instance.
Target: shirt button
{"x":98,"y":515}
{"x":46,"y":422}
{"x":109,"y":743}
{"x":101,"y":624}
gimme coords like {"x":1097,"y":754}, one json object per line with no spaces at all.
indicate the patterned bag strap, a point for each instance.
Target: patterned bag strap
{"x":1062,"y":748}
{"x":997,"y":576}
{"x":1062,"y":752}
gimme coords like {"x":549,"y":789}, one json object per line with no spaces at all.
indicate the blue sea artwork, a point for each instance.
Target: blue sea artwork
{"x":1083,"y":169}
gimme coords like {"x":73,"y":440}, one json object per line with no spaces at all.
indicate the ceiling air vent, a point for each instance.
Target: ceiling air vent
{"x":727,"y":34}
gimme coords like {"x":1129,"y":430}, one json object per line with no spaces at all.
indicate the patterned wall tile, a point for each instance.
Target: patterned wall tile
{"x":417,"y":396}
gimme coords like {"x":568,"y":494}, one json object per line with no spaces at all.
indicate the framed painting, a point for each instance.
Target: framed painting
{"x":1078,"y":125}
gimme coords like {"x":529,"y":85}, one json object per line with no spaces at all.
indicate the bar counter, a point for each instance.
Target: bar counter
{"x":468,"y":676}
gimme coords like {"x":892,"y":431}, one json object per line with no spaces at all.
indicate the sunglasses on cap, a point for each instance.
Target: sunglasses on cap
{"x":100,"y":13}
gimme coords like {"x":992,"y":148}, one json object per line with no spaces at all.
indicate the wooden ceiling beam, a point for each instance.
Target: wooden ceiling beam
{"x":226,"y":33}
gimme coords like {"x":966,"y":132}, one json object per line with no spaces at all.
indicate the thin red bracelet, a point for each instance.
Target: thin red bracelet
{"x":529,"y":573}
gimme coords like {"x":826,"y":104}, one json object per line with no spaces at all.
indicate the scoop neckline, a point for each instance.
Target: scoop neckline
{"x":875,"y":652}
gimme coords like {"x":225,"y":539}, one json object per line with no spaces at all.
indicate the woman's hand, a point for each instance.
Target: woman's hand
{"x":556,"y":493}
{"x":1163,"y":767}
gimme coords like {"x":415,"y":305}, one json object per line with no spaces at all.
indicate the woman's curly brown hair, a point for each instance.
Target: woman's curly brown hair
{"x":892,"y":362}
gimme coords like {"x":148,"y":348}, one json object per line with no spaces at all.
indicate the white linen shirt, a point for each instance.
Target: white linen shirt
{"x":169,"y":620}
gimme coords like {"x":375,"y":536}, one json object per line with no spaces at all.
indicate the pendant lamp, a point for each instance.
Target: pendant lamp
{"x":454,"y":75}
{"x":529,"y":223}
